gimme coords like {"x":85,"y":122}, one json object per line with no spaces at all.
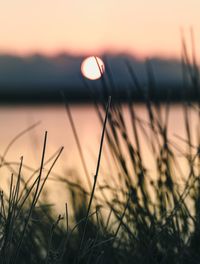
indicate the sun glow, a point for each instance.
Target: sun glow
{"x":92,"y":68}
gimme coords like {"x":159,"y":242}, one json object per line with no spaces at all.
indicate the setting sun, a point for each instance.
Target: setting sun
{"x":92,"y":68}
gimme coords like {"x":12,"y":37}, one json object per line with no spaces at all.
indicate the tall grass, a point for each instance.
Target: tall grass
{"x":135,"y":217}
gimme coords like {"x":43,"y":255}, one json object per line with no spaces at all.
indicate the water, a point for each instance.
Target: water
{"x":14,"y":119}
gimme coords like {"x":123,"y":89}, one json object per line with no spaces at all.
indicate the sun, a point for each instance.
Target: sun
{"x":92,"y":68}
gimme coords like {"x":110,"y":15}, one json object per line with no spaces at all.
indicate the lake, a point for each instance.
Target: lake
{"x":53,"y":118}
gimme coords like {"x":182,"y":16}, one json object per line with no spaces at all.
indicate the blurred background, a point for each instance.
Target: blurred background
{"x":43,"y":44}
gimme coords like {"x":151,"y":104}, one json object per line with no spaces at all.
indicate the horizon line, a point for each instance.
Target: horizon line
{"x":87,"y":54}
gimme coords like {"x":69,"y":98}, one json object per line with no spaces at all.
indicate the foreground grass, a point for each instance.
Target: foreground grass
{"x":132,"y":218}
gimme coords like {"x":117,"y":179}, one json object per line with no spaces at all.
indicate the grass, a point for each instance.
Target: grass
{"x":134,"y":217}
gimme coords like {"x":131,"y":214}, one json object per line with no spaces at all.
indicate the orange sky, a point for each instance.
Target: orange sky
{"x":142,"y":27}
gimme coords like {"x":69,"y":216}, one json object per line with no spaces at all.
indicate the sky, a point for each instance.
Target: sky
{"x":142,"y":27}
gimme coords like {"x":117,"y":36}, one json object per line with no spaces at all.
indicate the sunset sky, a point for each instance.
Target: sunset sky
{"x":143,"y":27}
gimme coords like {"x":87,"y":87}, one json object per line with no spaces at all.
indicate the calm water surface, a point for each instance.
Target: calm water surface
{"x":14,"y":119}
